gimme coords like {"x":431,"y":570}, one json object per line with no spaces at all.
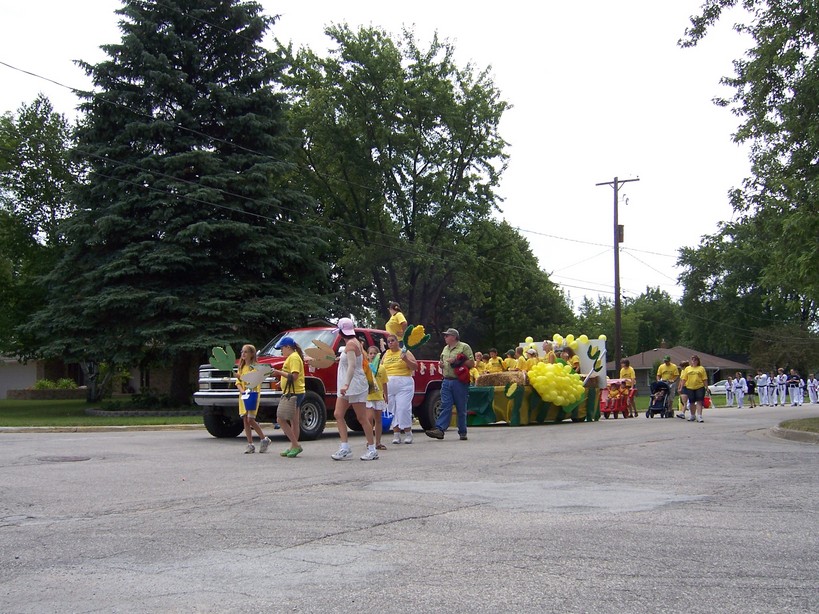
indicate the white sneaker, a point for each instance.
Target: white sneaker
{"x":341,"y":454}
{"x":250,"y":449}
{"x":407,"y":437}
{"x":370,"y":455}
{"x":265,"y":443}
{"x":396,"y":438}
{"x":699,"y":419}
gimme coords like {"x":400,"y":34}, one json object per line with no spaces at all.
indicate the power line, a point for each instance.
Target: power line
{"x":249,"y":150}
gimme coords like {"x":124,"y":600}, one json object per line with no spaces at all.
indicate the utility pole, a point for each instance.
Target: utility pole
{"x":618,"y":238}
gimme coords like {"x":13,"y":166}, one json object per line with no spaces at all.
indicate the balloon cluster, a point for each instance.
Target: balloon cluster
{"x":556,"y":383}
{"x":571,"y":342}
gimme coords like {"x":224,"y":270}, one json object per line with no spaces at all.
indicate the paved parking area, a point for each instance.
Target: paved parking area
{"x":618,"y":516}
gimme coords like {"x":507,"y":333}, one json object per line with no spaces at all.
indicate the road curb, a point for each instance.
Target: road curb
{"x":100,"y":429}
{"x":792,"y":435}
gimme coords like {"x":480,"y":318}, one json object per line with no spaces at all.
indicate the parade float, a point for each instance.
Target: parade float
{"x":550,"y":392}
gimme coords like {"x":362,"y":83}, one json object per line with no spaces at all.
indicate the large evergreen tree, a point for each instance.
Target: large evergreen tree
{"x":187,"y":233}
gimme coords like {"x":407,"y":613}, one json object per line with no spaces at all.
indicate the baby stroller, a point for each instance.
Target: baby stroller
{"x":659,"y":401}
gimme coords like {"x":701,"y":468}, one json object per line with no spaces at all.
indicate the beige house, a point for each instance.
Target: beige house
{"x":15,"y":375}
{"x":645,"y":365}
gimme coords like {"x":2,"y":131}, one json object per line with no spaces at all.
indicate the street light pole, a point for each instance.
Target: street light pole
{"x":618,"y":238}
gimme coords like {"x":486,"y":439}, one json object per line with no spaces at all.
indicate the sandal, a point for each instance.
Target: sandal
{"x":380,"y":446}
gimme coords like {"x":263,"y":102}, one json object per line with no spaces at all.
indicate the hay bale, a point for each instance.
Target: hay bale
{"x":501,"y":379}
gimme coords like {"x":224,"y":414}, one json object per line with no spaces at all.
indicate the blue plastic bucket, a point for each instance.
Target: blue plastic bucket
{"x":386,"y":420}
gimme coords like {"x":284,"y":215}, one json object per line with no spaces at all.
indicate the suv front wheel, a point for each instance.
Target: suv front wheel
{"x":220,"y":425}
{"x":313,"y":416}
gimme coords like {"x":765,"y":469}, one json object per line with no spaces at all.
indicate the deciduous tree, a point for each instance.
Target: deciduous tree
{"x":402,"y":150}
{"x":767,"y":260}
{"x":36,"y":175}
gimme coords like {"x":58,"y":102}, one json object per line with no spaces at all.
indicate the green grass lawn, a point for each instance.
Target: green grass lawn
{"x":72,"y":413}
{"x":806,"y":424}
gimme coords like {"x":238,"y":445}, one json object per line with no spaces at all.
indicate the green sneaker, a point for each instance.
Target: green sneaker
{"x":294,"y":452}
{"x":284,"y":452}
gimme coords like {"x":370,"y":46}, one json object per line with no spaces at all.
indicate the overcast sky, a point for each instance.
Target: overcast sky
{"x":599,"y":89}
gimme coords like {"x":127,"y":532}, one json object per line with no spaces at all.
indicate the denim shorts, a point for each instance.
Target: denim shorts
{"x":695,"y":396}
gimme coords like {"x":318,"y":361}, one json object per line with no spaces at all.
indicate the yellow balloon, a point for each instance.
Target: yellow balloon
{"x":602,"y":337}
{"x":573,"y":345}
{"x":583,"y":339}
{"x":528,"y":340}
{"x":569,"y":339}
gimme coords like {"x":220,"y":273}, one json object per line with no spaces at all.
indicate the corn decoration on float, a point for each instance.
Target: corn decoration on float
{"x":415,"y":336}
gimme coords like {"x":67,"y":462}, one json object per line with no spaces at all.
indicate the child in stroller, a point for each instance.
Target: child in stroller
{"x":659,"y":400}
{"x":615,"y":399}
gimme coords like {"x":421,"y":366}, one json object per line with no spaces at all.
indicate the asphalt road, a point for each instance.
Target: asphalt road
{"x":619,"y":516}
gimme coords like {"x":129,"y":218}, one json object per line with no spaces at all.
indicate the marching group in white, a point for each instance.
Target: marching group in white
{"x":773,"y":388}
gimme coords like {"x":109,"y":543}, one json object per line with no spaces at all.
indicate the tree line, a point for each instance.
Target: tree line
{"x":213,"y":191}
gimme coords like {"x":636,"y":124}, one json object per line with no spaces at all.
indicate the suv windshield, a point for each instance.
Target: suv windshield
{"x":303,"y":337}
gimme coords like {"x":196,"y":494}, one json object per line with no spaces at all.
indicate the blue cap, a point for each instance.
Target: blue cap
{"x":285,"y":341}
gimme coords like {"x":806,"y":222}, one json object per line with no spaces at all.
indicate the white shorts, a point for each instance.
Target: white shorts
{"x":357,"y":398}
{"x":376,"y":405}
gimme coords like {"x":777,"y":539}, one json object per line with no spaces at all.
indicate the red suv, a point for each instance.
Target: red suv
{"x":219,"y":397}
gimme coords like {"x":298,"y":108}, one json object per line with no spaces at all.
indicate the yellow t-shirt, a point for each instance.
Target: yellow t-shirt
{"x":393,"y":325}
{"x":627,"y":373}
{"x":294,"y":364}
{"x":394,"y":365}
{"x":473,"y":375}
{"x":668,"y":372}
{"x":380,"y":379}
{"x":510,"y":363}
{"x":523,"y":364}
{"x":495,"y":365}
{"x":241,"y":386}
{"x":694,"y":378}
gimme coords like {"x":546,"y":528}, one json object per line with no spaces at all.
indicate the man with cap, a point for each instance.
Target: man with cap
{"x":455,"y":356}
{"x":669,"y":373}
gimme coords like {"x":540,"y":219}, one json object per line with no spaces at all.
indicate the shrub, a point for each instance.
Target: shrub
{"x":66,"y":383}
{"x":44,"y":384}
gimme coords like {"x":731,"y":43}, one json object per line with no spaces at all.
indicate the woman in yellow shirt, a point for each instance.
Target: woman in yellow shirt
{"x":694,"y":380}
{"x":397,"y":323}
{"x":399,"y":365}
{"x":287,"y":414}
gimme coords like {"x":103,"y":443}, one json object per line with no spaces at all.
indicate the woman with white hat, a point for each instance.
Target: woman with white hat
{"x":352,"y":390}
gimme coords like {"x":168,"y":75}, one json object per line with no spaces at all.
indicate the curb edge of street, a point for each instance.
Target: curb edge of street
{"x":792,"y":435}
